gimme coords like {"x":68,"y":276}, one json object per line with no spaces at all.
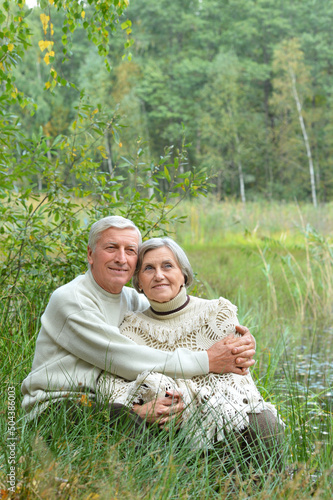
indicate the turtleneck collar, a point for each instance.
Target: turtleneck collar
{"x":174,"y":305}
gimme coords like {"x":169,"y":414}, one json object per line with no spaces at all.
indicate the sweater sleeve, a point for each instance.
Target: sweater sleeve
{"x":94,"y":341}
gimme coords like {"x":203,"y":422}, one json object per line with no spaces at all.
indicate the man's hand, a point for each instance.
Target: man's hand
{"x":250,"y":352}
{"x":233,"y":354}
{"x":161,"y":410}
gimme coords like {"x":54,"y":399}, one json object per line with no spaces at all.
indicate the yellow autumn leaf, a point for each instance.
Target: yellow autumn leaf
{"x":51,"y":2}
{"x":44,"y":18}
{"x":53,"y":73}
{"x":84,"y":400}
{"x":47,"y":57}
{"x":10,"y":46}
{"x":101,"y":149}
{"x":120,"y":144}
{"x":1,"y":66}
{"x":45,"y":21}
{"x":95,"y":111}
{"x":45,"y":44}
{"x":14,"y":94}
{"x":83,"y":14}
{"x":47,"y":85}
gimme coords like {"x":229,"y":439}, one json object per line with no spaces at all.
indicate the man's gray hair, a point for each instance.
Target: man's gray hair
{"x":111,"y":221}
{"x":177,"y":251}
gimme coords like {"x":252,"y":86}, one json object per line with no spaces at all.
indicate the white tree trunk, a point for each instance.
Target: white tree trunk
{"x":239,"y":163}
{"x":305,"y":136}
{"x":240,"y":171}
{"x":108,"y":152}
{"x":109,"y":159}
{"x":241,"y":182}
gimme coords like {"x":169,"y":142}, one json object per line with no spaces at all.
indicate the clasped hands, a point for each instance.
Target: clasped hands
{"x":233,"y":354}
{"x":230,"y":355}
{"x":162,"y":410}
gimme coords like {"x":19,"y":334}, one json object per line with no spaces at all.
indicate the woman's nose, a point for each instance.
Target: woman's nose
{"x":158,"y":274}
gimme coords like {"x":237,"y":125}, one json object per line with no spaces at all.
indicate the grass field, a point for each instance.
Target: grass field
{"x":275,"y":263}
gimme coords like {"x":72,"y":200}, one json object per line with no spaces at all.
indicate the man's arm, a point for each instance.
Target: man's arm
{"x":79,"y":322}
{"x":88,"y":338}
{"x":81,"y":330}
{"x":102,"y":345}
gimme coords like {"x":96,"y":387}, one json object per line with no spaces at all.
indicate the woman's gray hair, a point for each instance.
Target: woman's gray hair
{"x":177,"y":251}
{"x":111,"y":221}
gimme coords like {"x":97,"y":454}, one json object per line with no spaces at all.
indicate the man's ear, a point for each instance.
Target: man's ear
{"x":89,"y":255}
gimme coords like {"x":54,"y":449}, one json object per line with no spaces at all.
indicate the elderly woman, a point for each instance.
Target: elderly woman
{"x":211,"y":407}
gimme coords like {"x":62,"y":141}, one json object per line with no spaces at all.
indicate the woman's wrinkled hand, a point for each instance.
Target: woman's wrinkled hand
{"x":162,"y":410}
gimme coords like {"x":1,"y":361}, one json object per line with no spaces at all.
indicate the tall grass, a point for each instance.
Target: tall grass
{"x":281,"y":279}
{"x":210,"y":221}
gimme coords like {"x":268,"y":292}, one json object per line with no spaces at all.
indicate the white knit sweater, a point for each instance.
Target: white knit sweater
{"x":214,"y":403}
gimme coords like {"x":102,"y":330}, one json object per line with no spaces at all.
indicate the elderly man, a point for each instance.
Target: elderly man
{"x":79,"y":336}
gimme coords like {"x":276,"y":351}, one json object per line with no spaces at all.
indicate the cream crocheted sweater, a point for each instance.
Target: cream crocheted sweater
{"x":214,"y":403}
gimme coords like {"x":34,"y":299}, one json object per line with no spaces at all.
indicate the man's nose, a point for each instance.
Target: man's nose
{"x":121,"y":256}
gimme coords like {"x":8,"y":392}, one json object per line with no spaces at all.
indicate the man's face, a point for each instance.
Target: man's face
{"x":114,"y":259}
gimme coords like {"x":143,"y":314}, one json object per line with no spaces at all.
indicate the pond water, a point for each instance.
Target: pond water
{"x":308,"y":379}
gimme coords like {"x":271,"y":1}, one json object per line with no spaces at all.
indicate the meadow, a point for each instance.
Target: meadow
{"x":274,"y":261}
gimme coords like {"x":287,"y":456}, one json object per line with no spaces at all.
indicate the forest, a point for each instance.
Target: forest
{"x":206,"y":120}
{"x":249,"y":84}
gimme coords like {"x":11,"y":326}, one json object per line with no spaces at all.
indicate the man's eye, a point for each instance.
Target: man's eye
{"x":131,"y":251}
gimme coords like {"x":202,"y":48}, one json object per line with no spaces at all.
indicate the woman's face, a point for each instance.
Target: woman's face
{"x":160,"y":276}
